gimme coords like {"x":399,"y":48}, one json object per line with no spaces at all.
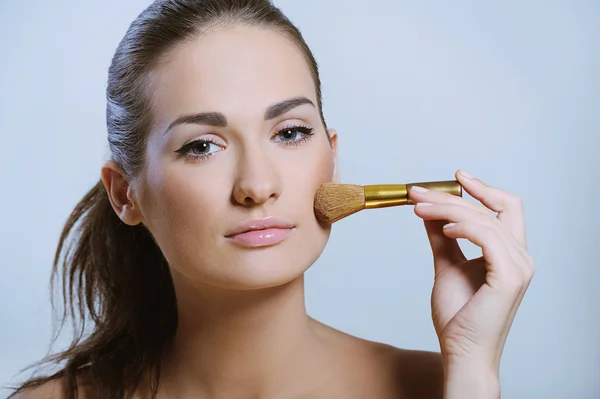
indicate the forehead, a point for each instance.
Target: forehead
{"x":237,"y":70}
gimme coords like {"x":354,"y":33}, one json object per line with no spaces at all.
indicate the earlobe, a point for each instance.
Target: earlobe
{"x":120,"y":194}
{"x":333,"y":135}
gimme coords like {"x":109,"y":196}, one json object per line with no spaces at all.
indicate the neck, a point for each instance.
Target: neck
{"x":236,"y":343}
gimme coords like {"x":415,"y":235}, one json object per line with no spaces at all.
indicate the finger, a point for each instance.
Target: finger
{"x":446,"y":251}
{"x":454,"y":212}
{"x":480,"y":230}
{"x":449,"y":212}
{"x":521,"y":268}
{"x":508,"y":206}
{"x":420,"y":194}
{"x":503,"y":259}
{"x":465,"y":216}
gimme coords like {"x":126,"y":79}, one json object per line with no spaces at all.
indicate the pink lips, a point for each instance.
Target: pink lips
{"x":261,"y":232}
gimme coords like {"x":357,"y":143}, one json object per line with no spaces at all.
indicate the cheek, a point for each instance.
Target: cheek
{"x":183,"y":205}
{"x":312,"y":171}
{"x":321,"y":169}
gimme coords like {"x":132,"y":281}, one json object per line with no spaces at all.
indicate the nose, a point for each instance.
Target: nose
{"x":257,"y":178}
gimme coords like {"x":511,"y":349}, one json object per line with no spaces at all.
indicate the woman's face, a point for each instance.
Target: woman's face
{"x":224,"y":158}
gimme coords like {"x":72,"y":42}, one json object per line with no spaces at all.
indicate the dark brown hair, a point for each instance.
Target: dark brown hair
{"x":114,"y":276}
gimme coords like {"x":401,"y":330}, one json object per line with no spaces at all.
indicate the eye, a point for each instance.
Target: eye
{"x":294,"y":135}
{"x":199,"y":149}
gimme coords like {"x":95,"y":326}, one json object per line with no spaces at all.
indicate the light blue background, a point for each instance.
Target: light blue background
{"x":509,"y":91}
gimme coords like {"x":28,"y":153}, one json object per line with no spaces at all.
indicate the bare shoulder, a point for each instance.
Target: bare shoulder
{"x":420,"y":374}
{"x":405,"y":373}
{"x":53,"y":389}
{"x":389,"y":371}
{"x":48,"y":390}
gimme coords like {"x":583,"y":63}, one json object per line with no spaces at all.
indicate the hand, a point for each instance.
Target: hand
{"x":474,"y":302}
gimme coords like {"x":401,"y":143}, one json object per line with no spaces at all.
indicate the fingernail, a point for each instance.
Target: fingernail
{"x":419,"y":189}
{"x":449,"y":225}
{"x":422,"y":204}
{"x":467,"y":175}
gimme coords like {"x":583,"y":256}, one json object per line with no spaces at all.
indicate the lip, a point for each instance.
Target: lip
{"x":261,"y":232}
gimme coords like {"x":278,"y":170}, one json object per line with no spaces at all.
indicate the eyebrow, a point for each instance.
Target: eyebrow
{"x":217,"y":119}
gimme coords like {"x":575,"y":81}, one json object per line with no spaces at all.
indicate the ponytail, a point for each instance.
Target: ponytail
{"x":115,"y":276}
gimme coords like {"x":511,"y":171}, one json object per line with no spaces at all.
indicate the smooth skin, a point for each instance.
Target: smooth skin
{"x":243,"y":328}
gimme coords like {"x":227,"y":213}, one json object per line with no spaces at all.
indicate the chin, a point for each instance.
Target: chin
{"x":265,"y":268}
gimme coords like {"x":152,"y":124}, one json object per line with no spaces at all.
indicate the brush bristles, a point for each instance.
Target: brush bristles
{"x":336,"y":201}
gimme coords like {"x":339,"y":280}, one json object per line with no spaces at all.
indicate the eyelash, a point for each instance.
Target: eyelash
{"x":306,"y":131}
{"x":185,"y":150}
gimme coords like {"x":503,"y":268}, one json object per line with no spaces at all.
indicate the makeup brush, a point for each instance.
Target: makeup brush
{"x":336,"y":201}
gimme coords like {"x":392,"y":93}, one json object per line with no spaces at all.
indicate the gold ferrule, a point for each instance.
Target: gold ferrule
{"x":384,"y":195}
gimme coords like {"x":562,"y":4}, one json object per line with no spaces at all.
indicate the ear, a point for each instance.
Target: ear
{"x":333,"y":135}
{"x":120,"y":193}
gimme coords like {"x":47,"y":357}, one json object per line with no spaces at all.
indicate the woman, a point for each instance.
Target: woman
{"x":189,"y":253}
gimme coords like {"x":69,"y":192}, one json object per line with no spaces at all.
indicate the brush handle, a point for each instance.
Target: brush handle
{"x":384,"y":195}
